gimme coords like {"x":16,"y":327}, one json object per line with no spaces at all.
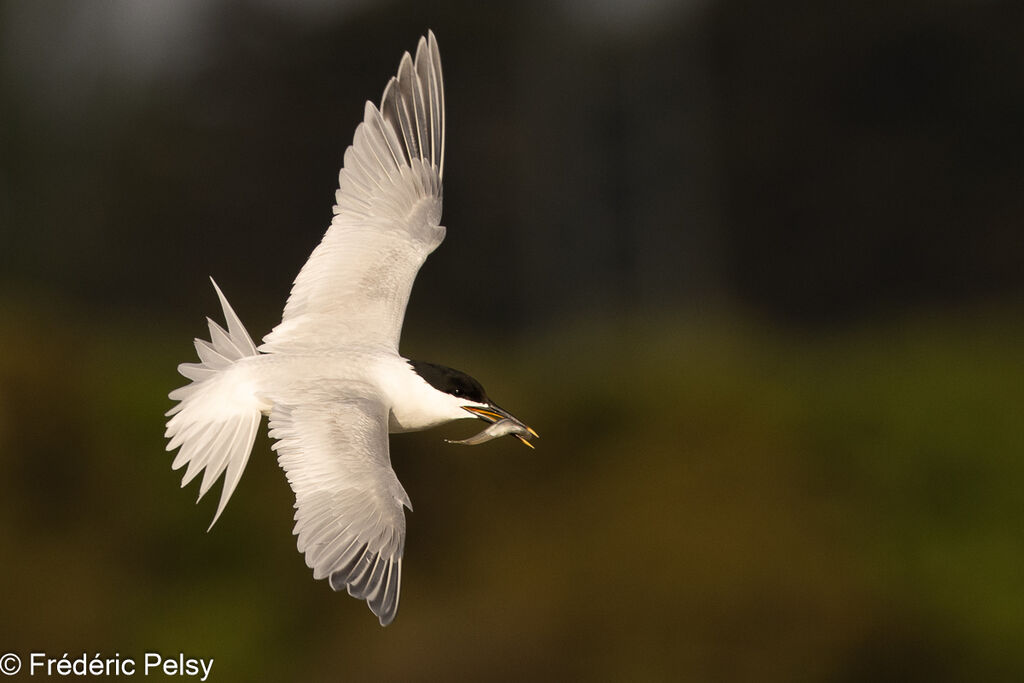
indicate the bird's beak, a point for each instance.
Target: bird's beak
{"x":492,"y":413}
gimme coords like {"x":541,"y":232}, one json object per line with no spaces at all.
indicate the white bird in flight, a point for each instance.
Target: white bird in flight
{"x":329,"y":376}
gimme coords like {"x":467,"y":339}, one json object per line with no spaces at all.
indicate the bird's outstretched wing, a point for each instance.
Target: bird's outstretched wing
{"x":348,"y":501}
{"x":356,"y":284}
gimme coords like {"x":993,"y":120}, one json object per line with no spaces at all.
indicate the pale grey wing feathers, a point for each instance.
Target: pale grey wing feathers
{"x":413,"y":102}
{"x":348,"y":501}
{"x":356,"y":284}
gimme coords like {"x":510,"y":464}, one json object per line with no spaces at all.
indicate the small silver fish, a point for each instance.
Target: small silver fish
{"x":497,"y":429}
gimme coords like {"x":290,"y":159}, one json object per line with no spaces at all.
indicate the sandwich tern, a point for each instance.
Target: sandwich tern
{"x":329,"y":376}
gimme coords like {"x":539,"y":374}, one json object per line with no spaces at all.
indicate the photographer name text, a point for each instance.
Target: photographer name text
{"x":150,"y":664}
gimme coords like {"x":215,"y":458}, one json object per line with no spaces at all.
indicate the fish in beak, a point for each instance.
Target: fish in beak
{"x":501,"y":423}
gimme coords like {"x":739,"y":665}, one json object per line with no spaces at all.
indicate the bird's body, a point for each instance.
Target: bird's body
{"x":330,"y":377}
{"x":274,"y":378}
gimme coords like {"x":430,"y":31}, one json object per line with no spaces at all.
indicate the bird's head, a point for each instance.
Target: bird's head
{"x":468,"y":399}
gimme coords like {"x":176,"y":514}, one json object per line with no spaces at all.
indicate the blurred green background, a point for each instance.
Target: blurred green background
{"x":754,"y":270}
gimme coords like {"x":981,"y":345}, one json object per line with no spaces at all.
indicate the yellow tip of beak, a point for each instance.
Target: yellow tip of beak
{"x":525,"y":442}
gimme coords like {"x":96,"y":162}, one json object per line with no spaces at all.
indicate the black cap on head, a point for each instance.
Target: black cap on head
{"x":450,"y":381}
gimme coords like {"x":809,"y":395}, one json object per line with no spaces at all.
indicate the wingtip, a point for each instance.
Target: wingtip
{"x":385,"y":611}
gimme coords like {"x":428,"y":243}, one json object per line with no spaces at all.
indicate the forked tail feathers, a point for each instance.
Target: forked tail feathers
{"x":217,"y":416}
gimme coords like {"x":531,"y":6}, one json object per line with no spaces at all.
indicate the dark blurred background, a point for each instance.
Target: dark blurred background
{"x":754,"y":270}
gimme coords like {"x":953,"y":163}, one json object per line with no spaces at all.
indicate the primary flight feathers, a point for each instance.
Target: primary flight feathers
{"x":356,"y":284}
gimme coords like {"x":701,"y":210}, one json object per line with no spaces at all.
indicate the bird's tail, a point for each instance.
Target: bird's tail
{"x":218,"y":413}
